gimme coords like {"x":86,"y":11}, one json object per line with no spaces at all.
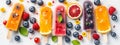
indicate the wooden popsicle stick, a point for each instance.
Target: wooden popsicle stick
{"x":89,"y":34}
{"x":105,"y":38}
{"x":45,"y":39}
{"x":60,"y":40}
{"x":9,"y":34}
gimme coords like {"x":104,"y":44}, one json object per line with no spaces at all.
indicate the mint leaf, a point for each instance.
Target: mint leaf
{"x":75,"y":42}
{"x":23,"y":31}
{"x":54,"y":38}
{"x":60,"y":18}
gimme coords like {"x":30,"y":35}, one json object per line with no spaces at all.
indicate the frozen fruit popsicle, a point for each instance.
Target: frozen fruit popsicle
{"x":88,"y":17}
{"x":45,"y":22}
{"x":15,"y":18}
{"x":60,"y":22}
{"x":102,"y":21}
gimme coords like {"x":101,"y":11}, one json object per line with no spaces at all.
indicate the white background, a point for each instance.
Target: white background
{"x":27,"y":41}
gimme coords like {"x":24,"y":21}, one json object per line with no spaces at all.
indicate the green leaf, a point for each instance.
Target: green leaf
{"x":75,"y":42}
{"x":23,"y":31}
{"x":60,"y":18}
{"x":54,"y":38}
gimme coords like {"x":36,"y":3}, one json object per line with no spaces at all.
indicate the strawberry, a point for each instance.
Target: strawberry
{"x":4,"y":22}
{"x":35,"y":26}
{"x":112,"y":10}
{"x":25,"y":16}
{"x":95,"y":36}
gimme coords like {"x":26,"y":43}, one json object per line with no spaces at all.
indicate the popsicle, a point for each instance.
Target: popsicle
{"x":88,"y":17}
{"x":60,"y":22}
{"x":15,"y":18}
{"x":102,"y":21}
{"x":45,"y":21}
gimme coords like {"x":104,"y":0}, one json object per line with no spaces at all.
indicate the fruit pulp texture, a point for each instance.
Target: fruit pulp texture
{"x":88,"y":17}
{"x":74,"y":10}
{"x":15,"y":17}
{"x":60,"y":28}
{"x":45,"y":20}
{"x":102,"y":18}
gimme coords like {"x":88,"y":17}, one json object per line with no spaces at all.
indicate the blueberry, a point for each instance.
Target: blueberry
{"x":68,"y":32}
{"x":67,"y":39}
{"x":8,"y":2}
{"x":40,"y":2}
{"x":25,"y":24}
{"x":59,"y":13}
{"x":31,"y":30}
{"x":47,"y":44}
{"x":113,"y":34}
{"x":61,"y":1}
{"x":32,"y":9}
{"x":76,"y":34}
{"x":97,"y":42}
{"x":33,"y":1}
{"x":89,"y":10}
{"x":89,"y":16}
{"x":77,"y":27}
{"x":88,"y":5}
{"x":69,"y":25}
{"x":17,"y":38}
{"x":114,"y":17}
{"x":32,"y":20}
{"x":97,"y":2}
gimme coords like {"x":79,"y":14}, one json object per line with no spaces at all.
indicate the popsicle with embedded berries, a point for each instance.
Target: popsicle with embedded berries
{"x":15,"y":17}
{"x":60,"y":22}
{"x":88,"y":17}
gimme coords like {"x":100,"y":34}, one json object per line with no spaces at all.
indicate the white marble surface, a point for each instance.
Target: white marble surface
{"x":27,"y":41}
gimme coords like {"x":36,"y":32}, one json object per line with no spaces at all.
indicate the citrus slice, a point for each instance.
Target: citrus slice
{"x":74,"y":11}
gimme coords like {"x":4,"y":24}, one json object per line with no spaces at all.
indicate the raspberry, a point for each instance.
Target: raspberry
{"x":35,"y":26}
{"x":25,"y":16}
{"x":95,"y":36}
{"x":4,"y":22}
{"x":112,"y":10}
{"x":80,"y":37}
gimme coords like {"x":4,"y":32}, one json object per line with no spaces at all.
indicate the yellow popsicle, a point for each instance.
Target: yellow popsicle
{"x":15,"y":17}
{"x":102,"y":19}
{"x":45,"y":20}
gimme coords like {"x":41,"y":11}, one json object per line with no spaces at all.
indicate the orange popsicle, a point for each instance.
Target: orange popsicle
{"x":45,"y":20}
{"x":15,"y":17}
{"x":102,"y":19}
